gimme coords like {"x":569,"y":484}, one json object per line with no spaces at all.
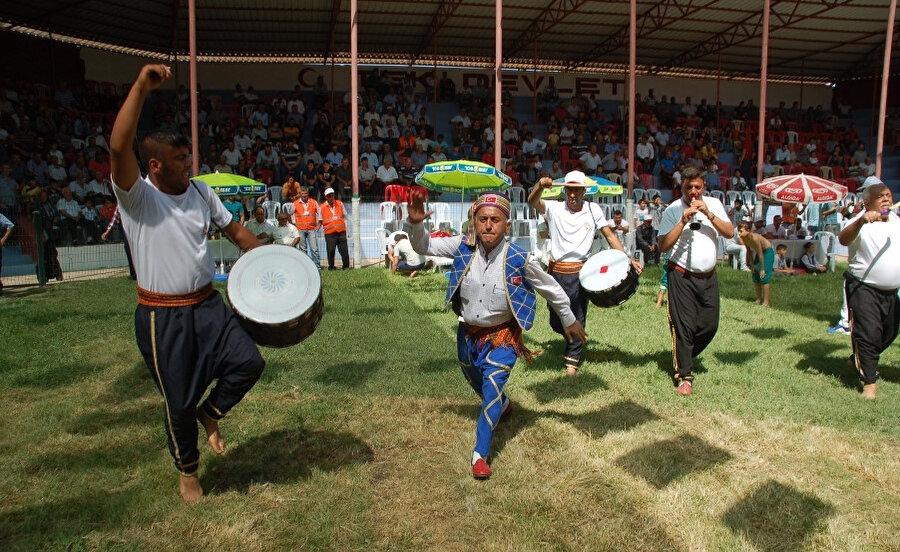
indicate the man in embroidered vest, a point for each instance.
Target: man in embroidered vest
{"x":185,"y":332}
{"x":573,"y":226}
{"x":492,"y":285}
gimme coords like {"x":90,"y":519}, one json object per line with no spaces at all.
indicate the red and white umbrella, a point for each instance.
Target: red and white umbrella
{"x":801,"y":188}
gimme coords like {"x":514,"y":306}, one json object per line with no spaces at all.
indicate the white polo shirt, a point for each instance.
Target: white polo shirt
{"x":875,"y":253}
{"x":167,"y":234}
{"x":571,"y":233}
{"x":695,"y":250}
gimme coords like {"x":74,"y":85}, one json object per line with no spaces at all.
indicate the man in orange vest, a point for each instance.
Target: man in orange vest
{"x":306,"y":219}
{"x":334,"y":222}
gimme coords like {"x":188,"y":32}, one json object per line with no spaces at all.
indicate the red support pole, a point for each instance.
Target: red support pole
{"x":498,"y":60}
{"x":885,"y":75}
{"x":632,"y":62}
{"x":354,"y":99}
{"x":764,"y":76}
{"x":192,"y":46}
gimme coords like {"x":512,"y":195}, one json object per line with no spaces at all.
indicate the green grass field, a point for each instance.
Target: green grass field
{"x":360,"y":437}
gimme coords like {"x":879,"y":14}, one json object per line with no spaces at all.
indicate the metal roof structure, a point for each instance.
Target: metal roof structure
{"x":816,"y":40}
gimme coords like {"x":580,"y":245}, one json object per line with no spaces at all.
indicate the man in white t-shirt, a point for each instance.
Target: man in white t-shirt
{"x":285,"y":233}
{"x":573,"y":226}
{"x":404,"y":258}
{"x":689,"y":231}
{"x":871,"y":282}
{"x":260,"y":227}
{"x":185,"y":332}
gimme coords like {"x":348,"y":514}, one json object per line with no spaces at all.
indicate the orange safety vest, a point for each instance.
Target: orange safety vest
{"x":333,"y":220}
{"x":305,"y":215}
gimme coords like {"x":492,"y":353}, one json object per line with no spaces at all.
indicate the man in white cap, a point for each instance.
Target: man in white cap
{"x":573,"y":226}
{"x":872,"y":281}
{"x":334,"y":224}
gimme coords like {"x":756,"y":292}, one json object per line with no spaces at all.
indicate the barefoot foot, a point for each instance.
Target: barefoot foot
{"x":213,"y":436}
{"x":190,"y":488}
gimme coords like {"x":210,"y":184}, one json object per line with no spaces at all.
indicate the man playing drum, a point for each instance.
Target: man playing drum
{"x":187,"y":335}
{"x":492,"y":285}
{"x":689,"y":230}
{"x":573,"y":225}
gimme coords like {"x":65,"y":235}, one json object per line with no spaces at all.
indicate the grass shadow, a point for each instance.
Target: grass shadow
{"x":736,"y":358}
{"x":348,"y":374}
{"x":134,"y":383}
{"x":103,"y":418}
{"x":766,"y":333}
{"x":620,"y":416}
{"x":663,"y":462}
{"x":777,"y":517}
{"x":62,"y":524}
{"x":819,"y":357}
{"x":47,"y":377}
{"x":373,"y":311}
{"x":284,"y":456}
{"x":565,"y":387}
{"x":793,"y":295}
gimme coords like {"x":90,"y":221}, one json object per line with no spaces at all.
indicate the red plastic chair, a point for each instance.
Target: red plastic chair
{"x":648,"y":181}
{"x":638,"y":168}
{"x":265,"y":176}
{"x":395,"y":193}
{"x":838,"y":173}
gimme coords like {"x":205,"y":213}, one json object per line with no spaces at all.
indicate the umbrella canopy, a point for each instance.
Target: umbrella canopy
{"x":801,"y":188}
{"x":462,"y":177}
{"x":594,"y":186}
{"x":230,"y":185}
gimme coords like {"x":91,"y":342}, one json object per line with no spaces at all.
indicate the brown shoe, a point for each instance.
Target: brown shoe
{"x":571,"y":370}
{"x":685,"y":388}
{"x":870,"y":390}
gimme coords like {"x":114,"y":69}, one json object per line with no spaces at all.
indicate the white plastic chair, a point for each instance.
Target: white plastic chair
{"x":271,"y":208}
{"x":288,"y":209}
{"x":381,"y":235}
{"x":731,"y":195}
{"x":517,"y":194}
{"x":404,"y":210}
{"x":639,"y":194}
{"x":650,"y":193}
{"x":749,"y":198}
{"x":388,"y":210}
{"x":615,"y":177}
{"x":718,"y":194}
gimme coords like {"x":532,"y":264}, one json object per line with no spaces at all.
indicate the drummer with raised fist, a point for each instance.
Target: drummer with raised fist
{"x":689,"y":231}
{"x":186,"y":333}
{"x":492,"y":285}
{"x":573,"y":226}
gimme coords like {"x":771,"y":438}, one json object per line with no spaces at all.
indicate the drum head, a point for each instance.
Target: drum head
{"x":273,"y":284}
{"x":604,"y":270}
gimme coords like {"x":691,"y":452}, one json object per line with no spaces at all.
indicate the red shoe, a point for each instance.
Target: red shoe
{"x":480,"y":469}
{"x":685,"y":388}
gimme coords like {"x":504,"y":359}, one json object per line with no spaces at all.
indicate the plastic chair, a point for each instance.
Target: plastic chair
{"x":395,"y":193}
{"x":730,"y":196}
{"x":615,"y":177}
{"x":388,"y":210}
{"x":718,"y":194}
{"x":517,"y":194}
{"x":777,"y":170}
{"x":749,"y":198}
{"x":404,"y":211}
{"x":271,"y":208}
{"x":381,"y":235}
{"x":288,"y":209}
{"x":647,"y":180}
{"x":639,"y":194}
{"x":265,"y":176}
{"x":826,"y":172}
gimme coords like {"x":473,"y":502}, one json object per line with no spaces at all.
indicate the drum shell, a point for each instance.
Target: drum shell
{"x":616,"y":295}
{"x":287,"y":333}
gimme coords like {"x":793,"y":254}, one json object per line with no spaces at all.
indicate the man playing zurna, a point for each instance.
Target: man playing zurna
{"x":492,"y":285}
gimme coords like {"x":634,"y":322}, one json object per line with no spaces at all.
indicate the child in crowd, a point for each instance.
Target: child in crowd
{"x":808,"y":260}
{"x":781,"y":262}
{"x":663,"y":282}
{"x":760,"y":251}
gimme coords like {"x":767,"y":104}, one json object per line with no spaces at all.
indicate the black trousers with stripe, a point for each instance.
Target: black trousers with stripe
{"x":693,"y":318}
{"x":186,"y":348}
{"x":578,"y":301}
{"x":874,"y":321}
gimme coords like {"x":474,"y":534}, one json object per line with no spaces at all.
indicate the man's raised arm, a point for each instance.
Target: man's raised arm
{"x":122,"y":160}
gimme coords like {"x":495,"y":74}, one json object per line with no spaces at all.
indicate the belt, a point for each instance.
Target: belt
{"x":561,"y":267}
{"x":701,"y":275}
{"x":154,"y":299}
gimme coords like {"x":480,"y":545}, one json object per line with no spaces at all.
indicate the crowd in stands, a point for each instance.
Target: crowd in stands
{"x":55,"y":158}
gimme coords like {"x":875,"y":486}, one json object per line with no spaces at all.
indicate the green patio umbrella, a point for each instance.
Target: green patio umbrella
{"x":231,"y":185}
{"x":462,"y":177}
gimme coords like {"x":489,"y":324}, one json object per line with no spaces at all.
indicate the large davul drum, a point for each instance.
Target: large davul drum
{"x":276,"y":293}
{"x":608,"y":278}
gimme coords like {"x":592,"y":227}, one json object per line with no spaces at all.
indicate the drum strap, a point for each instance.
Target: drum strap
{"x":153,"y":299}
{"x":562,"y":267}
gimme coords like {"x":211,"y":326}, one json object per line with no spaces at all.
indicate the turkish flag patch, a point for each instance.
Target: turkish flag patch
{"x":604,"y":269}
{"x":516,"y":280}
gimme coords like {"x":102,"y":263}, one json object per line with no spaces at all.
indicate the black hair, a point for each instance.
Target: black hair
{"x":150,"y":144}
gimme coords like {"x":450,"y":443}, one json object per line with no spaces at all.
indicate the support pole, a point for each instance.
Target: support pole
{"x":763,"y":78}
{"x":498,"y":60}
{"x":885,"y":75}
{"x":354,"y":134}
{"x":632,"y":62}
{"x":195,"y":124}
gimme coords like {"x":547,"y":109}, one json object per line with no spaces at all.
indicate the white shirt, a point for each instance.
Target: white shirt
{"x":167,"y":234}
{"x":875,"y":253}
{"x":645,"y":151}
{"x":404,"y":250}
{"x":386,"y":174}
{"x":571,"y":233}
{"x":285,"y":234}
{"x":695,"y":250}
{"x":257,"y":228}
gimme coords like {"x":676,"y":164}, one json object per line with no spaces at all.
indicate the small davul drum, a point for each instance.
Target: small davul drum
{"x":276,"y":293}
{"x":608,"y":278}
